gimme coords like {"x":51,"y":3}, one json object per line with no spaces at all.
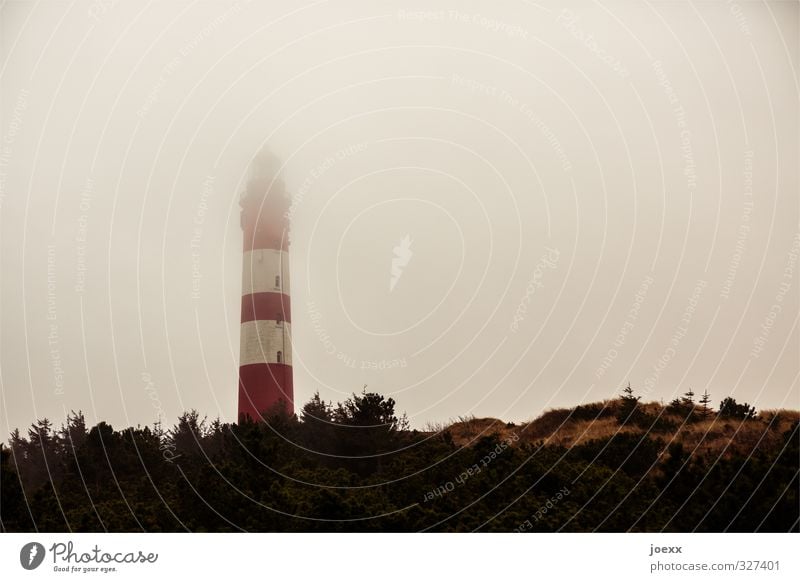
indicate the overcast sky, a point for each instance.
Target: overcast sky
{"x":574,"y":197}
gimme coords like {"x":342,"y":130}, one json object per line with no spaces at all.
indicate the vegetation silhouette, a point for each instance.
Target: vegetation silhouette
{"x":358,"y":466}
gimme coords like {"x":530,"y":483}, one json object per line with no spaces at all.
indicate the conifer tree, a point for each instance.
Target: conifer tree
{"x":705,"y":400}
{"x":629,"y":402}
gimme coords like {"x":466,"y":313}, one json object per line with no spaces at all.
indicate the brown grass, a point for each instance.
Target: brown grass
{"x":569,"y":427}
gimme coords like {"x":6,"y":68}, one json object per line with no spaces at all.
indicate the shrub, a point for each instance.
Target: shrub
{"x":729,"y":408}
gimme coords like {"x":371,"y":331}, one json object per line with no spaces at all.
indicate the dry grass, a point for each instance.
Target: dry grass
{"x":727,"y":437}
{"x":468,"y":431}
{"x":569,"y":427}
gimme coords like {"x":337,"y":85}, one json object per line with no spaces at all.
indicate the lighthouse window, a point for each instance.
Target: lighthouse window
{"x":277,"y":280}
{"x":279,"y":319}
{"x":280,"y":357}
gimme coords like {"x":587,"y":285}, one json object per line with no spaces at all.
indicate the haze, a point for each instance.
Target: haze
{"x":575,"y":196}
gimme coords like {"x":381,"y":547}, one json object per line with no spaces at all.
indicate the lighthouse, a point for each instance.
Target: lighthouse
{"x":265,"y":356}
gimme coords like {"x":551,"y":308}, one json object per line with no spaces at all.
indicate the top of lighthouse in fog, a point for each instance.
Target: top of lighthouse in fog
{"x":265,"y":164}
{"x":263,"y":176}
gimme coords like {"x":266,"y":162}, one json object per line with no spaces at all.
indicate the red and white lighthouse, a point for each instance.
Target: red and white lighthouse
{"x":265,"y":357}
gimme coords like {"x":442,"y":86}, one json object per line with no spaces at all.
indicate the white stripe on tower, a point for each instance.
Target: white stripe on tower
{"x":262,"y":340}
{"x":265,"y":271}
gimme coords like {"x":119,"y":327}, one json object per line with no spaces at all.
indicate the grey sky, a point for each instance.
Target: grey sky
{"x":592,"y":194}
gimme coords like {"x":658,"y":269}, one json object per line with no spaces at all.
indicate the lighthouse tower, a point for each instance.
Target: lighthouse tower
{"x":265,"y":358}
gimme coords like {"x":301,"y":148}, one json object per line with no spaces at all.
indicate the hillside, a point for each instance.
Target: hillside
{"x":701,"y":436}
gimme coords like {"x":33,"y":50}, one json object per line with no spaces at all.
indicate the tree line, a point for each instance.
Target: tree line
{"x":358,"y":466}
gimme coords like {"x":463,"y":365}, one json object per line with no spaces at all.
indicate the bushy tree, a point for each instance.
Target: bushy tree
{"x":186,"y":436}
{"x":367,"y":428}
{"x":369,"y":409}
{"x":316,"y":418}
{"x":729,"y":408}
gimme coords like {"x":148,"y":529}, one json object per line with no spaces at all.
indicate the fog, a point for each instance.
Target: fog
{"x":497,"y":209}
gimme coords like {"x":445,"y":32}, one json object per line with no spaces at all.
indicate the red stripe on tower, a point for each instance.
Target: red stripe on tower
{"x":265,"y":358}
